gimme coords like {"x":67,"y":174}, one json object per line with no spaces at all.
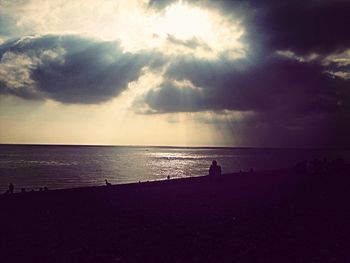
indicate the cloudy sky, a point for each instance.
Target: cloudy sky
{"x":192,"y":73}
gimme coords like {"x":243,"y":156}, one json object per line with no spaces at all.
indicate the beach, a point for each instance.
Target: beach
{"x":185,"y":131}
{"x":265,"y":216}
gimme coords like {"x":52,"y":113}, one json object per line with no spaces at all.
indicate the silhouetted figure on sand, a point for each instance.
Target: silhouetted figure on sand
{"x":108,"y":183}
{"x":46,"y":189}
{"x":23,"y":190}
{"x":11,"y":188}
{"x":215,"y":169}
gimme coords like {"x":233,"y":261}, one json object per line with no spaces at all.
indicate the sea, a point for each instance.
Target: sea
{"x":70,"y":166}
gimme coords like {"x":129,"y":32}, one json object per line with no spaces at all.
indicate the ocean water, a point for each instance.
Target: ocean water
{"x":57,"y":167}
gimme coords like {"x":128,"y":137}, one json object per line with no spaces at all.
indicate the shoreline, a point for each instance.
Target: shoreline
{"x":175,"y":180}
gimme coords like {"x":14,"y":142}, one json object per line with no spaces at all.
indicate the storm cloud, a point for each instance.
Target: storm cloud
{"x":275,"y":83}
{"x":68,"y":69}
{"x":288,"y":98}
{"x":304,"y":27}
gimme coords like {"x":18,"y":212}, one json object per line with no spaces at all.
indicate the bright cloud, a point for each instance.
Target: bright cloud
{"x":134,"y":24}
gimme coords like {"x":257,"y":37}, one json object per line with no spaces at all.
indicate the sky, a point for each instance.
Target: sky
{"x":182,"y":73}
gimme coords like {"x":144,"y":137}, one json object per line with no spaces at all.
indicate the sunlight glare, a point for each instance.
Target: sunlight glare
{"x":184,"y":22}
{"x":185,"y":29}
{"x":182,"y":28}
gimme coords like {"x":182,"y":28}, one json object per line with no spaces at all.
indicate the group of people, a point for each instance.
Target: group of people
{"x":324,"y":166}
{"x":11,"y":189}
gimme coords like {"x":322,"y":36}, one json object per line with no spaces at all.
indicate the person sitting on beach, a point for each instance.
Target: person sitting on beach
{"x":11,"y":188}
{"x":215,"y":169}
{"x":108,"y":183}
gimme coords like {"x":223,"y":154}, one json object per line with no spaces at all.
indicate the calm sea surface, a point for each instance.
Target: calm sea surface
{"x":34,"y":166}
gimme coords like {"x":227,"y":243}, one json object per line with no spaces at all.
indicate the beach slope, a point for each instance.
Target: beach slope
{"x":268,"y":216}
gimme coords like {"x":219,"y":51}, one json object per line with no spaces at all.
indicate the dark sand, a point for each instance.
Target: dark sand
{"x":277,"y":216}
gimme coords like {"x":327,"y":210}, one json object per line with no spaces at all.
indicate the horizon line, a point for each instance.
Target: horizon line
{"x":175,"y":146}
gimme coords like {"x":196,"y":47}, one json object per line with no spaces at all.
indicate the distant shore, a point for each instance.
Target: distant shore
{"x":264,"y":216}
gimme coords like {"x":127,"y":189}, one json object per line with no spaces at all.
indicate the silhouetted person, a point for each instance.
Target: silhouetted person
{"x":215,"y":169}
{"x":40,"y":189}
{"x":46,"y":189}
{"x":11,"y":188}
{"x":168,"y":177}
{"x":108,"y":183}
{"x":23,"y":190}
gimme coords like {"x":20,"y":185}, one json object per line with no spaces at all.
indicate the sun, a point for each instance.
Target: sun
{"x":185,"y":29}
{"x":180,"y":29}
{"x":184,"y":22}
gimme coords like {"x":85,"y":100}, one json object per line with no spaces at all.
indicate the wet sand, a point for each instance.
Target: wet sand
{"x":271,"y":216}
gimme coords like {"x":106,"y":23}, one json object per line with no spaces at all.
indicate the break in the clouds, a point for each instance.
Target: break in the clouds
{"x":303,"y":26}
{"x":282,"y":66}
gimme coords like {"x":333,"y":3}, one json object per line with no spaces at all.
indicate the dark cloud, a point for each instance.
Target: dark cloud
{"x":172,"y":98}
{"x":72,"y":69}
{"x":192,"y":43}
{"x":285,"y":96}
{"x":274,"y":129}
{"x":304,"y":27}
{"x":160,"y":4}
{"x":318,"y":26}
{"x":276,"y":83}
